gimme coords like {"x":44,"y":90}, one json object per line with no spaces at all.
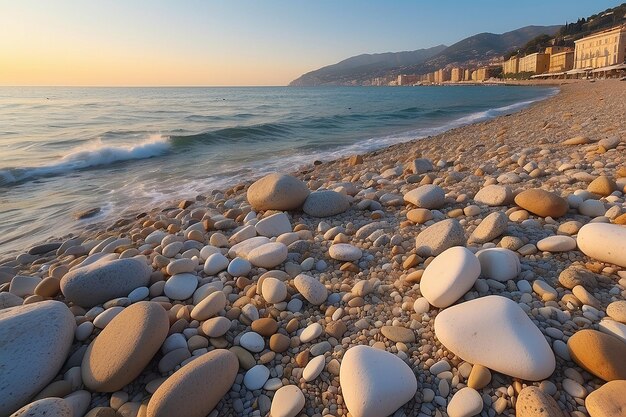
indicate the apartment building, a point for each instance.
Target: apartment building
{"x":537,"y":63}
{"x":601,"y":49}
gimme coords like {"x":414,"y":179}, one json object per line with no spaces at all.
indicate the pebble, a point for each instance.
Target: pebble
{"x":600,"y":354}
{"x":325,"y":203}
{"x":533,"y":402}
{"x":125,"y":347}
{"x":268,"y":256}
{"x":345,"y":252}
{"x":494,"y":195}
{"x":542,"y":203}
{"x":489,"y":228}
{"x":104,"y":280}
{"x":48,"y":407}
{"x":256,"y":377}
{"x":311,"y":289}
{"x":252,"y":341}
{"x":313,"y":368}
{"x":288,"y":402}
{"x":556,"y":244}
{"x":440,"y":236}
{"x":184,"y":393}
{"x":427,"y":196}
{"x":499,"y":263}
{"x":274,"y":225}
{"x":398,"y":334}
{"x":277,"y":192}
{"x":449,"y":276}
{"x":180,"y":286}
{"x":466,"y":402}
{"x":311,"y":332}
{"x":209,"y":306}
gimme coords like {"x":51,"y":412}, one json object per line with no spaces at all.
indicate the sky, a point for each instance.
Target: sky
{"x":237,"y":42}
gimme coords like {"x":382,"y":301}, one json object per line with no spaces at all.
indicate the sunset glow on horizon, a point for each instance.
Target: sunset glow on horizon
{"x":153,"y":43}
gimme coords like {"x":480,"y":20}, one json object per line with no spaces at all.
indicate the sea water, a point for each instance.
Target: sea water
{"x":123,"y":150}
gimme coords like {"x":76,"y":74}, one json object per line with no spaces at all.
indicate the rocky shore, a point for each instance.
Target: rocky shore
{"x":478,"y":272}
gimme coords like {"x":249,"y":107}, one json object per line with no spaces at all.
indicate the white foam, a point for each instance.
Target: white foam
{"x":92,"y":154}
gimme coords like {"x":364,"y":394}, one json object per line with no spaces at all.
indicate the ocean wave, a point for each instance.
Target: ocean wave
{"x":94,"y":154}
{"x":237,"y":134}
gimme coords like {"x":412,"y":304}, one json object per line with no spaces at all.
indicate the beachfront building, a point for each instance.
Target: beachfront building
{"x":551,"y":50}
{"x":404,"y":79}
{"x":537,"y":63}
{"x":456,"y":75}
{"x":602,"y":49}
{"x":442,"y":75}
{"x":481,"y":74}
{"x":467,"y":76}
{"x":562,"y":61}
{"x":511,"y":66}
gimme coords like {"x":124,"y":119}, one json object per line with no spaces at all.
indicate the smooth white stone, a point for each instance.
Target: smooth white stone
{"x":427,"y":196}
{"x":421,"y":305}
{"x":252,"y":341}
{"x":345,"y":252}
{"x":449,"y":276}
{"x":311,"y":332}
{"x":287,"y":402}
{"x":499,"y":263}
{"x":466,"y":402}
{"x":314,"y":291}
{"x":274,"y":225}
{"x":180,"y":286}
{"x":269,"y":255}
{"x":242,"y":249}
{"x":215,"y":264}
{"x":374,"y":382}
{"x":273,"y":290}
{"x":556,"y":244}
{"x":313,"y":368}
{"x":603,"y":241}
{"x":256,"y":377}
{"x":496,"y":333}
{"x":208,"y":250}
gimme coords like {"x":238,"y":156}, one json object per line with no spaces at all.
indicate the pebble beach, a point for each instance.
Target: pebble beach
{"x":481,"y":271}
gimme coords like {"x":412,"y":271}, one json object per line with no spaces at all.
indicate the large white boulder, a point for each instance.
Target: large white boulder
{"x":495,"y":332}
{"x":374,"y":382}
{"x":603,"y":241}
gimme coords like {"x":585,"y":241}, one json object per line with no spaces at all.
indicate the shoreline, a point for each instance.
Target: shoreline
{"x":271,"y":284}
{"x":103,"y":218}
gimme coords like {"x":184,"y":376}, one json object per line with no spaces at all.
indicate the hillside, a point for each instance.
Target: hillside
{"x":362,"y":68}
{"x":365,"y":66}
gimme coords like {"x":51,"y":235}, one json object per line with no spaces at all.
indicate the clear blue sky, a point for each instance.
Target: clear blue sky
{"x":238,"y":42}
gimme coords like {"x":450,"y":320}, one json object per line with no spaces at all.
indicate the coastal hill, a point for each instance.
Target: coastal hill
{"x":366,"y":66}
{"x":359,"y":70}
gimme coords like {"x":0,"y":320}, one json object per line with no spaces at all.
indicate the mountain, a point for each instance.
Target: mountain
{"x":362,"y":68}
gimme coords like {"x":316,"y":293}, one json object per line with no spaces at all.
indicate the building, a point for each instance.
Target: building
{"x":456,"y":75}
{"x":511,"y":66}
{"x":537,"y":63}
{"x":467,"y":76}
{"x":481,"y":74}
{"x":562,"y":61}
{"x":442,"y":75}
{"x":551,"y":50}
{"x":407,"y":79}
{"x":602,"y":49}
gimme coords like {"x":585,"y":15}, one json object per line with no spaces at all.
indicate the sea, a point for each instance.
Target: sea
{"x":64,"y":150}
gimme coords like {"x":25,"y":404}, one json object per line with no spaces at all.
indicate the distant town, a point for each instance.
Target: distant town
{"x":600,"y":54}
